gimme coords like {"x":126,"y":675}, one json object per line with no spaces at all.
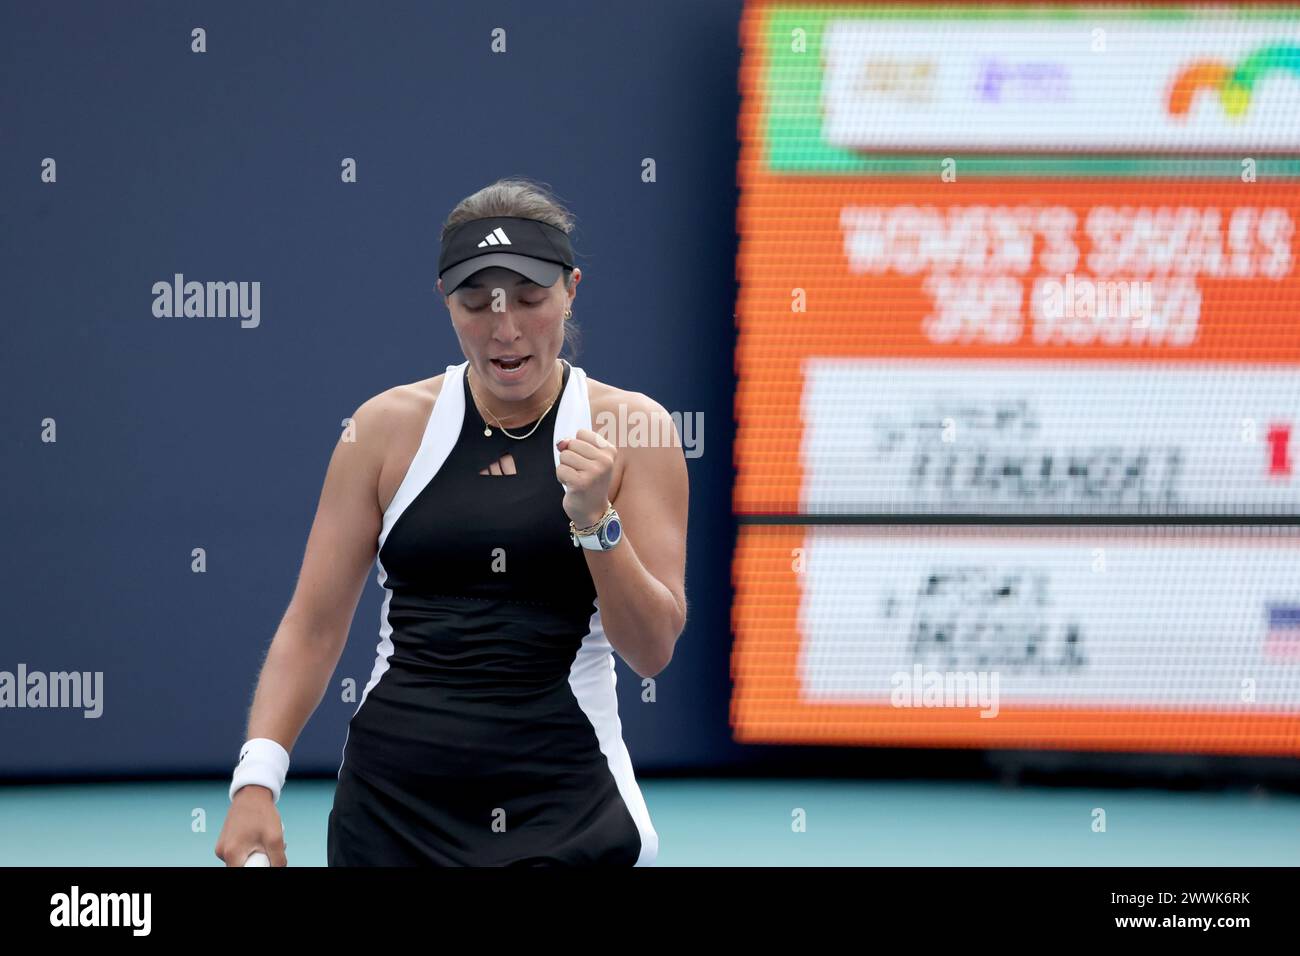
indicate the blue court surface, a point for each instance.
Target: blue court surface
{"x":720,"y":823}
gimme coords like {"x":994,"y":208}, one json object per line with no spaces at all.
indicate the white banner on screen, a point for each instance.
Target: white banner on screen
{"x":901,"y":435}
{"x":1089,"y":620}
{"x":1088,"y":83}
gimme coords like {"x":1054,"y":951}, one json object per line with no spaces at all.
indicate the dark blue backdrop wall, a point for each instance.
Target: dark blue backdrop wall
{"x":183,"y":433}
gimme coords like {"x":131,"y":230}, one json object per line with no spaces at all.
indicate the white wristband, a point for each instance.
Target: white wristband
{"x":261,"y":761}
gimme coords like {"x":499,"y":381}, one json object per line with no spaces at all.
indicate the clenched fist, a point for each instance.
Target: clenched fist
{"x":586,"y":469}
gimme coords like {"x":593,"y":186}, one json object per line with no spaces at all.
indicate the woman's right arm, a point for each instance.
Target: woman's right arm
{"x":309,"y":641}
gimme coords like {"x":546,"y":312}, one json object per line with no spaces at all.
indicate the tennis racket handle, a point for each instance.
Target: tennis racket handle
{"x":257,"y":858}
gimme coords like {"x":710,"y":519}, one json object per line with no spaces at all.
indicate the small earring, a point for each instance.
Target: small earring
{"x":568,"y":312}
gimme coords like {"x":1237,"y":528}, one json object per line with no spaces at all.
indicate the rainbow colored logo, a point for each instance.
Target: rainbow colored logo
{"x":1234,"y":85}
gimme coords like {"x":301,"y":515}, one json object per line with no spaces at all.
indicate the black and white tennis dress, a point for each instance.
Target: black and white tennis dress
{"x":488,"y":734}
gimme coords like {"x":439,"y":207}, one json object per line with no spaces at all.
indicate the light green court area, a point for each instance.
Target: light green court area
{"x":720,"y":822}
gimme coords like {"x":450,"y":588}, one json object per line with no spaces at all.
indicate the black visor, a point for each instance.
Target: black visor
{"x":535,"y":249}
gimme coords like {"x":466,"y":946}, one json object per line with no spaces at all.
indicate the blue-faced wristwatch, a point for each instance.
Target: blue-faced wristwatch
{"x":601,"y":536}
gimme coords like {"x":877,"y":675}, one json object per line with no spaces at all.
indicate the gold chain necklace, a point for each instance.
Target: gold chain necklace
{"x":488,"y":431}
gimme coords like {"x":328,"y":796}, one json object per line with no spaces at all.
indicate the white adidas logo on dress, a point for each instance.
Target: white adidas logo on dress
{"x":496,"y":237}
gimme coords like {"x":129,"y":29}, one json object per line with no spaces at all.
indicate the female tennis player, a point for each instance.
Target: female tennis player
{"x":517,"y":548}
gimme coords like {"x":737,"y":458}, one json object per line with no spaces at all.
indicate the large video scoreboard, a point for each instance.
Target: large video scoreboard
{"x":1019,"y":377}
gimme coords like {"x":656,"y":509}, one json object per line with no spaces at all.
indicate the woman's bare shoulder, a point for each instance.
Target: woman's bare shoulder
{"x":606,"y":397}
{"x":611,"y":400}
{"x":392,"y":424}
{"x":402,"y":406}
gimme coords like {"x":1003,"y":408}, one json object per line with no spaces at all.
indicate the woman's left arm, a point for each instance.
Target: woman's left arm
{"x":641,"y":582}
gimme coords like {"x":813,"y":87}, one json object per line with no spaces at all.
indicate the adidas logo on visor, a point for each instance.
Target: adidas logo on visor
{"x":496,"y":237}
